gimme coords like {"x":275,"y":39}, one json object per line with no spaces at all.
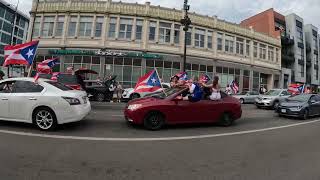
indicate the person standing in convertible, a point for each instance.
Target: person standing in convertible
{"x":194,"y":90}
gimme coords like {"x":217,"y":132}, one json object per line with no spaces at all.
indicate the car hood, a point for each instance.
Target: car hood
{"x":143,"y":100}
{"x":292,"y":103}
{"x":268,"y":97}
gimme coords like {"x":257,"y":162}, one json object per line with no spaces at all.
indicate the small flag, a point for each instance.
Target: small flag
{"x":22,"y":54}
{"x":183,"y":76}
{"x":204,"y":78}
{"x":234,"y":86}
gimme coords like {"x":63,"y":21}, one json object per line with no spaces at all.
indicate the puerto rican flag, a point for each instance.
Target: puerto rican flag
{"x":296,"y":88}
{"x":45,"y":67}
{"x":204,"y":78}
{"x":183,"y":76}
{"x":148,"y":83}
{"x":22,"y":54}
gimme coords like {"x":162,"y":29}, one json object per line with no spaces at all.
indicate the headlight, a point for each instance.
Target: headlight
{"x":134,"y":107}
{"x":296,"y":108}
{"x":72,"y":101}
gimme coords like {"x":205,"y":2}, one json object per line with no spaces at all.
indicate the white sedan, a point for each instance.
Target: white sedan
{"x":45,"y":103}
{"x":129,"y":93}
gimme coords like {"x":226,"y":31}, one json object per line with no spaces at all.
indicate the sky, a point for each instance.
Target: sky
{"x":231,"y":10}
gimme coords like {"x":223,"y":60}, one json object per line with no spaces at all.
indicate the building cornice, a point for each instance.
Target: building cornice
{"x":147,"y":10}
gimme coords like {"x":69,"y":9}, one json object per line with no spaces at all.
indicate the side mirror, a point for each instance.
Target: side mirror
{"x":313,"y":102}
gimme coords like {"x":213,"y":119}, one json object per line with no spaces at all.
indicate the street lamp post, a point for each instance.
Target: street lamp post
{"x":186,"y":22}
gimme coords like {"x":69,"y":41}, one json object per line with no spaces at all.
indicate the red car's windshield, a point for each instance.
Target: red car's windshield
{"x":166,"y":93}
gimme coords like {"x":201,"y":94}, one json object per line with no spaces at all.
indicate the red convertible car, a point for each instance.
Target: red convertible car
{"x":165,"y":108}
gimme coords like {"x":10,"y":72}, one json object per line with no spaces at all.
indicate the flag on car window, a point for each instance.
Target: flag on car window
{"x":148,"y":83}
{"x":21,"y":54}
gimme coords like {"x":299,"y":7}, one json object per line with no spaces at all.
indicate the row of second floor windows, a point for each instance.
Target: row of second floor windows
{"x":7,"y":27}
{"x":124,"y":28}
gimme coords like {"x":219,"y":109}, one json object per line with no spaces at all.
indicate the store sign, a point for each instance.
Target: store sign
{"x":102,"y":52}
{"x":109,"y":53}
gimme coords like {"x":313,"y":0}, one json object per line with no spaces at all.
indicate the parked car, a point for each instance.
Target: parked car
{"x":165,"y":108}
{"x":45,"y":103}
{"x":129,"y":94}
{"x":272,"y":98}
{"x":302,"y":106}
{"x":247,"y":96}
{"x":99,"y":91}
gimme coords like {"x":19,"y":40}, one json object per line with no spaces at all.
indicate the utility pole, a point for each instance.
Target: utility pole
{"x":186,"y":22}
{"x":13,"y":23}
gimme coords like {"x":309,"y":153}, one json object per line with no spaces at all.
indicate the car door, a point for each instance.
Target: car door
{"x":253,"y":96}
{"x":190,"y":111}
{"x":314,"y":105}
{"x":24,"y":98}
{"x":5,"y":91}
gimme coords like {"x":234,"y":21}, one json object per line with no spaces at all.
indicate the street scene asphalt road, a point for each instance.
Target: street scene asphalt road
{"x":286,"y":153}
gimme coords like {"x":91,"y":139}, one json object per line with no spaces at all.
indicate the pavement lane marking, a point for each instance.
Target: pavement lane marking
{"x":152,"y":139}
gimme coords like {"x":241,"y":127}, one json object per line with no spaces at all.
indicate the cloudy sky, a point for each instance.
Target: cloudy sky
{"x":232,"y":10}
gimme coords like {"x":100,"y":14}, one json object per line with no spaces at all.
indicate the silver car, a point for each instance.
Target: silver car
{"x":247,"y":96}
{"x":272,"y":98}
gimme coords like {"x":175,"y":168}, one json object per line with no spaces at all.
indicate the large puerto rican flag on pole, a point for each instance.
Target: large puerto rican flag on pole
{"x":148,"y":83}
{"x":21,"y":54}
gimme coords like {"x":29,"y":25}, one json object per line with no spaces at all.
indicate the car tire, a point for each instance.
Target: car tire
{"x":44,"y":119}
{"x":241,"y":101}
{"x":154,"y":121}
{"x":305,"y":115}
{"x":258,"y":107}
{"x":226,"y":120}
{"x":135,"y":96}
{"x":100,"y":97}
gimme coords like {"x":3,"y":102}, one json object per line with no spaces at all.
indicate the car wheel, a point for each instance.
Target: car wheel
{"x":45,"y":119}
{"x":226,"y":120}
{"x":154,"y":121}
{"x":258,"y":107}
{"x":241,"y":101}
{"x":305,"y":115}
{"x":135,"y":96}
{"x":100,"y":97}
{"x":276,"y":105}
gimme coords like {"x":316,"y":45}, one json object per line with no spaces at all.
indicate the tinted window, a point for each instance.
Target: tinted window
{"x":59,"y":86}
{"x":6,"y":87}
{"x":26,"y":87}
{"x":67,"y":79}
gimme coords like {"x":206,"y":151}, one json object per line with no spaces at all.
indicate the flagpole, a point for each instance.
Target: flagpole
{"x":160,"y":81}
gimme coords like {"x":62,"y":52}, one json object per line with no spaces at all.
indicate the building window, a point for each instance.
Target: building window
{"x":176,"y":34}
{"x":125,"y":30}
{"x":209,"y":36}
{"x":239,"y":46}
{"x":72,"y":26}
{"x":315,"y":42}
{"x":47,"y":29}
{"x":229,"y":44}
{"x":277,"y":55}
{"x":315,"y":59}
{"x":300,"y":34}
{"x":85,"y":26}
{"x":112,"y":27}
{"x":152,"y":31}
{"x":99,"y":23}
{"x":2,"y":10}
{"x":9,"y":16}
{"x":139,"y":26}
{"x":263,"y":51}
{"x":255,"y":49}
{"x":189,"y":37}
{"x":248,"y":48}
{"x":270,"y":53}
{"x":219,"y":41}
{"x":7,"y":27}
{"x":5,"y":38}
{"x":164,"y":32}
{"x":199,"y":38}
{"x":59,"y":26}
{"x":36,"y":27}
{"x":301,"y":70}
{"x":300,"y":54}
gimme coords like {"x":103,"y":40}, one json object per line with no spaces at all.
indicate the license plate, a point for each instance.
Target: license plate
{"x":283,"y":110}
